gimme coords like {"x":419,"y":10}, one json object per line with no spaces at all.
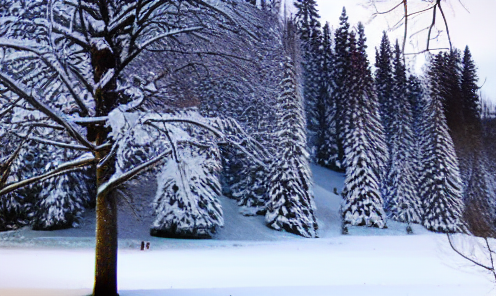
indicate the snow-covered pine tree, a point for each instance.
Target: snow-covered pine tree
{"x":56,"y":202}
{"x":471,"y":101}
{"x":251,"y":191}
{"x":291,"y":206}
{"x":384,"y":83}
{"x":402,"y":200}
{"x":339,"y":80}
{"x":450,"y":90}
{"x":245,"y":178}
{"x":365,"y":148}
{"x":307,"y":22}
{"x":186,"y":204}
{"x":63,"y":199}
{"x":14,"y":208}
{"x":441,"y":184}
{"x":19,"y":205}
{"x":328,"y":154}
{"x":417,"y":100}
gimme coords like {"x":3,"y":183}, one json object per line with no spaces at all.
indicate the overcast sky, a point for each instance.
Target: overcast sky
{"x":475,"y":28}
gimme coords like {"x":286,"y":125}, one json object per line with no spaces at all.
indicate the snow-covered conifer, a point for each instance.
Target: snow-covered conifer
{"x":186,"y":203}
{"x":402,"y":200}
{"x":384,"y":83}
{"x":291,"y":206}
{"x":441,"y":184}
{"x":63,"y":199}
{"x":307,"y":22}
{"x":328,"y":154}
{"x":340,"y":90}
{"x":365,"y":148}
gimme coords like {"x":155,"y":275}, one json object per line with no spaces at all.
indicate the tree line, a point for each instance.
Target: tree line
{"x":225,"y":98}
{"x":412,"y":146}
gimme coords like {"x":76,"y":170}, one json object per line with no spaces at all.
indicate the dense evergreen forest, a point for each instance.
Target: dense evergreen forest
{"x":239,"y":108}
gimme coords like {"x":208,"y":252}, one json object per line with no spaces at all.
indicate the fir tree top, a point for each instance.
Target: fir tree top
{"x":307,"y":19}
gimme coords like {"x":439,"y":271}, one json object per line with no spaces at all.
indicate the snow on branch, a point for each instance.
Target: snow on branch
{"x":31,"y":98}
{"x":89,"y":120}
{"x":33,"y":47}
{"x":54,"y":143}
{"x":85,"y":160}
{"x":5,"y":165}
{"x":118,"y":179}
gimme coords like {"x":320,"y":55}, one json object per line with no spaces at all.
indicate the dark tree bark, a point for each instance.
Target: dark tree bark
{"x":106,"y":205}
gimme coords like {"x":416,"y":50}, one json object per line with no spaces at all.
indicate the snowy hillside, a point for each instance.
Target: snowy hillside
{"x":244,"y":258}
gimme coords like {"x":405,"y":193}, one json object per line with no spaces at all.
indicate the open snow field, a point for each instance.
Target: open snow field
{"x":245,"y":258}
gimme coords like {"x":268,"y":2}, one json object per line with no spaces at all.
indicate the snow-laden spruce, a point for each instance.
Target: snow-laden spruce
{"x":365,"y":148}
{"x":187,"y":200}
{"x":57,"y":202}
{"x":328,"y":152}
{"x":441,"y":184}
{"x":291,"y":206}
{"x":402,"y":199}
{"x":310,"y":35}
{"x":62,"y":201}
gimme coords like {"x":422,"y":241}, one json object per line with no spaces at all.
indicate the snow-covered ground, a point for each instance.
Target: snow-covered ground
{"x":245,"y":258}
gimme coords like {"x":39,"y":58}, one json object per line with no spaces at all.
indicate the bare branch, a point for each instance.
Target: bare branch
{"x":150,"y":41}
{"x":90,"y":120}
{"x":12,"y":106}
{"x":445,"y":24}
{"x":215,"y":131}
{"x":467,"y":258}
{"x":490,"y":256}
{"x":431,"y":26}
{"x":377,"y":12}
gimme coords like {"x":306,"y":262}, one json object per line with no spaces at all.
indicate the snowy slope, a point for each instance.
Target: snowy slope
{"x":245,"y":258}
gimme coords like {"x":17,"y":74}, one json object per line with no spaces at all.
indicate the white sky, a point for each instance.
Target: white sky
{"x":475,"y":28}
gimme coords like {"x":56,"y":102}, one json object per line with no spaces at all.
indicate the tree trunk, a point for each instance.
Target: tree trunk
{"x":106,"y":242}
{"x":106,"y":98}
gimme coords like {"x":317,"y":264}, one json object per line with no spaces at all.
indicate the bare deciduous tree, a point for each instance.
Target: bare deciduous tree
{"x":405,"y":12}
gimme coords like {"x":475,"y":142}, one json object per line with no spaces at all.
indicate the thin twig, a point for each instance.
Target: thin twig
{"x":467,"y":258}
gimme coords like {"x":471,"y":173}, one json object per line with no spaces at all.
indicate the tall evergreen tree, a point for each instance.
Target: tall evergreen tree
{"x":417,"y":101}
{"x":328,"y":154}
{"x":471,"y":101}
{"x":450,"y":91}
{"x":339,"y":81}
{"x":366,"y":151}
{"x":402,"y":201}
{"x":307,"y":22}
{"x":441,"y":189}
{"x":291,"y":206}
{"x":384,"y":83}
